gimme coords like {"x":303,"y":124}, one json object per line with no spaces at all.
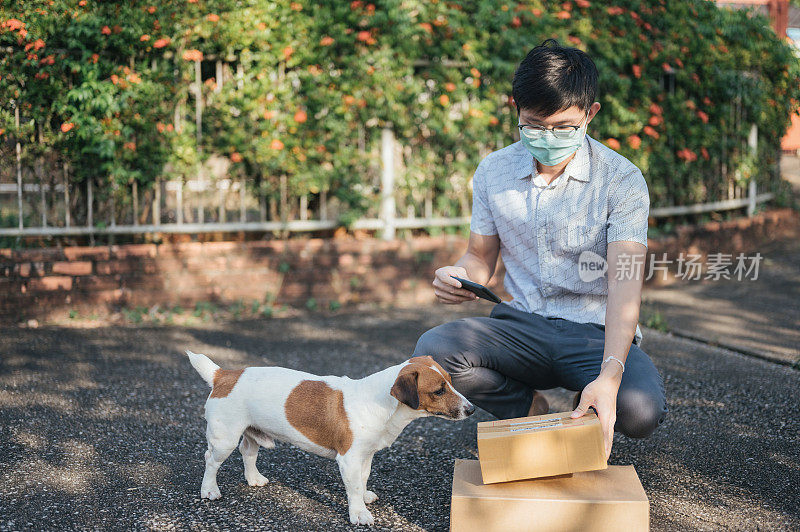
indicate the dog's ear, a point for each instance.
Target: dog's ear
{"x":404,"y":388}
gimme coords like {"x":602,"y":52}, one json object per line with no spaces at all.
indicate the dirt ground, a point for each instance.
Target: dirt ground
{"x":103,"y":429}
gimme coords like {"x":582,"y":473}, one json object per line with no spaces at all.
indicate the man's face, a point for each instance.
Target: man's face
{"x":572,"y":116}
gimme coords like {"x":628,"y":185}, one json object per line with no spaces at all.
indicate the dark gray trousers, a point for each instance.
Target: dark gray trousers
{"x":497,"y":362}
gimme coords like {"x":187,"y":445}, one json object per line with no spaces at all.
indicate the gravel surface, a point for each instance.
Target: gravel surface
{"x":102,"y":429}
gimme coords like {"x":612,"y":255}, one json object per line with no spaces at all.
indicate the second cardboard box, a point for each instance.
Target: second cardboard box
{"x":540,"y":446}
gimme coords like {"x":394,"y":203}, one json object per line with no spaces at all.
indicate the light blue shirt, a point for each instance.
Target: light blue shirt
{"x":600,"y":197}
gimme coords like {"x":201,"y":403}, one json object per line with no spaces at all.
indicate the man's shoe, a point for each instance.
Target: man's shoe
{"x":539,"y":405}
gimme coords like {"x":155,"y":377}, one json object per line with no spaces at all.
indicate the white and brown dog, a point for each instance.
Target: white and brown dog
{"x":335,"y":417}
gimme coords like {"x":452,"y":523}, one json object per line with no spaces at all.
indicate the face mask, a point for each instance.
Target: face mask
{"x":551,"y":150}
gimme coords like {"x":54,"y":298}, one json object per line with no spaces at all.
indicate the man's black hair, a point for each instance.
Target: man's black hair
{"x":552,"y":79}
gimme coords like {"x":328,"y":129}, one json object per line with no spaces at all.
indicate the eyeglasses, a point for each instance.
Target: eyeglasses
{"x":559,"y":132}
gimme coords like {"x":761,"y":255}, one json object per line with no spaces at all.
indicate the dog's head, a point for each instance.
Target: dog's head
{"x":424,"y":385}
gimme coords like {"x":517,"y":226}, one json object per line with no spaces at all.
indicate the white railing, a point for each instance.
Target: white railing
{"x":387,"y":222}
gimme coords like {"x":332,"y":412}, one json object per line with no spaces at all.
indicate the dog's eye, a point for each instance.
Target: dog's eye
{"x":440,"y":391}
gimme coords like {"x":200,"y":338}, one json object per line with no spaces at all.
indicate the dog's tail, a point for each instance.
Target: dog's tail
{"x":204,"y":366}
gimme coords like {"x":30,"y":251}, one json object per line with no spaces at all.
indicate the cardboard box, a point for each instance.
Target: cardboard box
{"x":611,"y":499}
{"x":540,"y":446}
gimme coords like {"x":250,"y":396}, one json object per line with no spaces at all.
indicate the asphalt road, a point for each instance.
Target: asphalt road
{"x":102,"y":429}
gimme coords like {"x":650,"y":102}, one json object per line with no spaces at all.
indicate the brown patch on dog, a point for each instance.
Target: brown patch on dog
{"x":224,"y":381}
{"x":429,"y":361}
{"x":423,"y":388}
{"x":317,"y":411}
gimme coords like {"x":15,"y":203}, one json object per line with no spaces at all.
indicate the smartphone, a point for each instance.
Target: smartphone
{"x":478,"y":289}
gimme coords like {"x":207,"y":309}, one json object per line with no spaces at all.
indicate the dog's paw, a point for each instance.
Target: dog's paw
{"x":210,"y":493}
{"x":369,"y":497}
{"x":257,"y":480}
{"x":362,"y":517}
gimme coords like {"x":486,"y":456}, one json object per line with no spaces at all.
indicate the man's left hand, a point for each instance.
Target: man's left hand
{"x":601,"y":394}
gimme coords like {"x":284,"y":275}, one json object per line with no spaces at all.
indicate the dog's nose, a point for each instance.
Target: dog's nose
{"x":469,"y":410}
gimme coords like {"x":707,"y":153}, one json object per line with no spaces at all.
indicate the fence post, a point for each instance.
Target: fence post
{"x":157,"y":202}
{"x":19,"y":165}
{"x":387,"y":183}
{"x":66,"y":194}
{"x":752,"y":143}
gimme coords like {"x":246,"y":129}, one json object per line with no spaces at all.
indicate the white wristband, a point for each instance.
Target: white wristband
{"x":612,"y":357}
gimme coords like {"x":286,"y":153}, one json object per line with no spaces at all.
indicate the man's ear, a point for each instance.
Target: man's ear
{"x":405,"y":390}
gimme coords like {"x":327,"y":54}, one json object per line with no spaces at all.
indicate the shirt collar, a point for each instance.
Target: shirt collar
{"x":577,"y":168}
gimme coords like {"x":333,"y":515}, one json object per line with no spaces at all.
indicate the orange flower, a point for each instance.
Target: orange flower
{"x":300,"y":117}
{"x":493,"y":121}
{"x":363,"y":35}
{"x":444,"y":99}
{"x":582,"y":3}
{"x":426,"y":26}
{"x":613,"y":143}
{"x":563,"y":15}
{"x":14,"y":24}
{"x":475,"y":72}
{"x":637,"y":71}
{"x":655,"y":120}
{"x":722,"y":48}
{"x":574,"y":40}
{"x":655,"y":109}
{"x":105,"y":30}
{"x":326,"y":41}
{"x":287,"y":52}
{"x":151,"y":9}
{"x":134,"y":78}
{"x":703,"y":116}
{"x":67,"y":126}
{"x":262,"y":26}
{"x":615,"y":10}
{"x":212,"y":17}
{"x":269,"y":114}
{"x":449,"y":86}
{"x":161,"y":43}
{"x":296,"y":6}
{"x":144,"y":38}
{"x":649,"y":131}
{"x":679,"y":62}
{"x":95,"y":57}
{"x":49,"y":60}
{"x":707,"y":100}
{"x":704,"y":153}
{"x":516,"y":22}
{"x":690,"y":104}
{"x":536,"y":13}
{"x":236,"y":157}
{"x":130,"y":146}
{"x":348,"y":99}
{"x":38,"y":44}
{"x":355,"y":4}
{"x":634,"y":141}
{"x":114,"y":79}
{"x":160,"y":127}
{"x":276,"y":145}
{"x":193,"y":55}
{"x":666,"y":67}
{"x":82,"y":3}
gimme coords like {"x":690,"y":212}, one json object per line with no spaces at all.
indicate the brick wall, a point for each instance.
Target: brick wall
{"x":37,"y":283}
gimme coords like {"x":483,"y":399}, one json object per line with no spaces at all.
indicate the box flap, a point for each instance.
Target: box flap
{"x":613,"y":484}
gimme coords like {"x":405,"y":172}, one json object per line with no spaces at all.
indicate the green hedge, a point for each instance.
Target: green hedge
{"x":99,"y":84}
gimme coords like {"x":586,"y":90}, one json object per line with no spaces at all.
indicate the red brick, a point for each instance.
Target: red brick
{"x":118,"y":266}
{"x":134,"y":250}
{"x":73,"y":267}
{"x":87,"y":252}
{"x":53,"y":282}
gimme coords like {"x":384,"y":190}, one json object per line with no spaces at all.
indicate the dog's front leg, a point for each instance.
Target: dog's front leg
{"x":369,"y":496}
{"x":351,"y":465}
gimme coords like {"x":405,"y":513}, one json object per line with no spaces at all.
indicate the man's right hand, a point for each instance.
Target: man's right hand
{"x":447,"y":289}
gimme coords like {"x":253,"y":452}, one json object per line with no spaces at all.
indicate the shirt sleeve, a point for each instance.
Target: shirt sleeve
{"x":628,"y":209}
{"x":482,"y":220}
